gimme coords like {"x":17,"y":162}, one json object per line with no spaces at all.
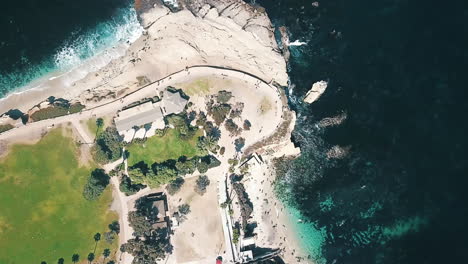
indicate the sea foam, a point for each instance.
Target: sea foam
{"x":80,"y":54}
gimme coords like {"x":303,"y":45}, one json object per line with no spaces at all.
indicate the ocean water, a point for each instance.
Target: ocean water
{"x":397,"y":70}
{"x":42,"y":40}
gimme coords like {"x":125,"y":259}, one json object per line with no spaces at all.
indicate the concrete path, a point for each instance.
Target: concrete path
{"x":148,"y":90}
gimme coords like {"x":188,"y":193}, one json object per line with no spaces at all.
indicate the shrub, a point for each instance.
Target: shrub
{"x":174,"y":186}
{"x":161,"y":173}
{"x":126,"y":186}
{"x":235,"y":235}
{"x":236,"y":111}
{"x":108,"y":146}
{"x":209,"y":107}
{"x":202,"y":183}
{"x":233,"y":162}
{"x":109,"y":237}
{"x":6,"y":127}
{"x":182,"y":125}
{"x":247,"y":125}
{"x":239,"y":143}
{"x":202,"y":166}
{"x":49,"y":112}
{"x":222,"y":150}
{"x":191,"y":116}
{"x":137,"y":175}
{"x":244,"y":201}
{"x":223,"y":97}
{"x":96,"y":184}
{"x":232,"y":127}
{"x":220,"y":112}
{"x":206,"y":144}
{"x":201,"y":119}
{"x":212,"y":161}
{"x":114,"y":227}
{"x":184,"y":209}
{"x":75,"y":108}
{"x":185,"y":166}
{"x":159,"y":132}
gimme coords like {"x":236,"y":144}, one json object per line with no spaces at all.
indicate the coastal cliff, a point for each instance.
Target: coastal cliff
{"x":228,"y":33}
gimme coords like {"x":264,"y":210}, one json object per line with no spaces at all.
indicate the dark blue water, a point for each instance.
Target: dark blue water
{"x":42,"y":37}
{"x":398,"y":70}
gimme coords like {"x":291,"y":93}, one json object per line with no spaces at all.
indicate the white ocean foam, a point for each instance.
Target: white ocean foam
{"x":297,"y":43}
{"x":105,"y":41}
{"x":86,"y":53}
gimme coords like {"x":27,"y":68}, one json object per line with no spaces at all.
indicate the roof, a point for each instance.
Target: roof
{"x":138,"y":116}
{"x":247,"y":241}
{"x":172,"y":103}
{"x":162,"y":225}
{"x":160,"y":205}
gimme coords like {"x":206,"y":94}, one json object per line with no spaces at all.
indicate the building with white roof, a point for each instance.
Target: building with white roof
{"x":149,"y":113}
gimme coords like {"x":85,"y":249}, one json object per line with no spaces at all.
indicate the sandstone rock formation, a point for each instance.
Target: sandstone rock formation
{"x":317,"y":90}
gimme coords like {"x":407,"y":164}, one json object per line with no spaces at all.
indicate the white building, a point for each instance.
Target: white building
{"x":149,"y":113}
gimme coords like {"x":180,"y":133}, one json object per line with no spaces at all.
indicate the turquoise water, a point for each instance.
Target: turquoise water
{"x":122,"y":28}
{"x":309,"y":236}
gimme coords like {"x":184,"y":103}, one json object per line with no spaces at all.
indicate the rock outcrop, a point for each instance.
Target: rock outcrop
{"x":317,"y":90}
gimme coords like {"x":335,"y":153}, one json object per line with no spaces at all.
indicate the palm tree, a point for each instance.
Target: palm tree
{"x":106,"y":254}
{"x":136,"y":128}
{"x":207,"y":144}
{"x":99,"y":124}
{"x":75,"y":258}
{"x":60,"y":261}
{"x":90,"y":257}
{"x":97,"y":237}
{"x":147,"y":128}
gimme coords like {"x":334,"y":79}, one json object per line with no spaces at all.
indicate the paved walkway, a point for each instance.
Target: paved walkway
{"x":146,"y":91}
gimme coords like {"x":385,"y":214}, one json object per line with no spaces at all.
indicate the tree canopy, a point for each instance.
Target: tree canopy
{"x":201,"y":184}
{"x":108,"y":146}
{"x":150,"y":244}
{"x":174,"y":186}
{"x":96,"y":184}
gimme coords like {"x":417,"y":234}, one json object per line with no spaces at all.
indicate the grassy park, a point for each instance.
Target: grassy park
{"x":159,"y":149}
{"x":43,"y":214}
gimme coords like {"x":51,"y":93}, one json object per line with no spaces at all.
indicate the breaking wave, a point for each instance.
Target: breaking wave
{"x":83,"y":52}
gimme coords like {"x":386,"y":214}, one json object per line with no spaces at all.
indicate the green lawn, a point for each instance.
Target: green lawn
{"x":159,"y":149}
{"x":43,"y":215}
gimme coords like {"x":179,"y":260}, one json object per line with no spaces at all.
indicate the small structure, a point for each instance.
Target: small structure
{"x":160,"y":211}
{"x":160,"y":208}
{"x":253,"y":159}
{"x":247,"y":242}
{"x":172,"y":103}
